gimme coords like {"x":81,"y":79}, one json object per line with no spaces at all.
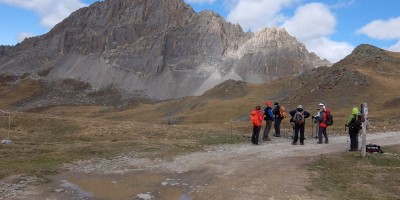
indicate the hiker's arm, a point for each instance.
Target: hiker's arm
{"x":306,"y":114}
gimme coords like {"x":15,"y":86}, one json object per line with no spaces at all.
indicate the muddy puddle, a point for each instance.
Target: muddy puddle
{"x":127,"y":186}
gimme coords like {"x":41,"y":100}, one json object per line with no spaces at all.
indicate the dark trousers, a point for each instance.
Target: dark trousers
{"x":297,"y":128}
{"x":256,"y":134}
{"x":322,"y":132}
{"x":268,"y":125}
{"x":277,"y":126}
{"x":353,"y":140}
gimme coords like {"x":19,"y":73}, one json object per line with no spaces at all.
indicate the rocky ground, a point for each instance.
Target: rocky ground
{"x":272,"y":170}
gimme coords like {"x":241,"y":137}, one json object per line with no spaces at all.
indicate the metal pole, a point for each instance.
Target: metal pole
{"x":231,"y":130}
{"x":312,"y":127}
{"x":364,"y":110}
{"x":9,"y":127}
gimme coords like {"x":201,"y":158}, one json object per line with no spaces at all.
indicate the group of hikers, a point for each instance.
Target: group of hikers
{"x":275,"y":114}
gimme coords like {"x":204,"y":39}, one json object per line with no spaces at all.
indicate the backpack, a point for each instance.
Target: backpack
{"x":298,"y":117}
{"x":372,"y":148}
{"x":282,"y":112}
{"x":329,"y":119}
{"x":355,"y":124}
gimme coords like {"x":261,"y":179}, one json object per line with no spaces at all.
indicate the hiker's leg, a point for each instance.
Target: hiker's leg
{"x":320,"y":132}
{"x":277,"y":126}
{"x":267,"y":129}
{"x":296,"y":134}
{"x":326,"y":136}
{"x":353,"y":141}
{"x":258,"y":129}
{"x":301,"y":133}
{"x":253,"y":136}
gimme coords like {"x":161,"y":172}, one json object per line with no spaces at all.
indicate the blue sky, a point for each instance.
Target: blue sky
{"x":330,"y":28}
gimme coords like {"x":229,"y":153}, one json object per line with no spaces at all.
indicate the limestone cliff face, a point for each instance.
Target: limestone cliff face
{"x":156,"y":49}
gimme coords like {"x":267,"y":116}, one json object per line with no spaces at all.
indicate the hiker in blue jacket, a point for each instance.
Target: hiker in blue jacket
{"x":269,"y":118}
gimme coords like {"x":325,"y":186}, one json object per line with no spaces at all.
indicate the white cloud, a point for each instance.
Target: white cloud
{"x":328,"y":49}
{"x":310,"y":21}
{"x":257,"y":14}
{"x":383,"y":30}
{"x":312,"y":24}
{"x":22,"y":36}
{"x":395,"y":47}
{"x":50,"y":11}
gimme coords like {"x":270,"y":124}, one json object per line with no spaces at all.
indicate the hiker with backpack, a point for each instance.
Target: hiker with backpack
{"x":326,"y":119}
{"x":317,"y":118}
{"x":279,"y":114}
{"x":299,"y":116}
{"x":269,"y":118}
{"x":354,"y":123}
{"x":315,"y":121}
{"x":256,"y":118}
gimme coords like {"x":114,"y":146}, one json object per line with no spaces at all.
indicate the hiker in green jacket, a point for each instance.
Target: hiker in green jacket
{"x":354,"y":124}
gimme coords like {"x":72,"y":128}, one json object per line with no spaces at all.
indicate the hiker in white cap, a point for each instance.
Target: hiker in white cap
{"x":322,"y":107}
{"x":317,"y":118}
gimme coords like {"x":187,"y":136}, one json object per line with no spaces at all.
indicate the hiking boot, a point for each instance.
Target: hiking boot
{"x":294,"y":143}
{"x":277,"y":135}
{"x":267,"y":139}
{"x":319,"y":142}
{"x":301,"y":143}
{"x":326,"y":142}
{"x":354,"y":149}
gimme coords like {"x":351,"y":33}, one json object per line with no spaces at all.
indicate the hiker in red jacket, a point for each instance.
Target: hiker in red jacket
{"x":256,"y":118}
{"x":323,"y":126}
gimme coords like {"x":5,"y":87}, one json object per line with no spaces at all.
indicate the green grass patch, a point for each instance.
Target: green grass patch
{"x":348,"y":176}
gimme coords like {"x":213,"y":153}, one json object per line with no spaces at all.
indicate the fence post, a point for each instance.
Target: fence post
{"x":364,"y":110}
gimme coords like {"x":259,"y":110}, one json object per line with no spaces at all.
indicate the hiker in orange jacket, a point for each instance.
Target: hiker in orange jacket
{"x":256,"y":118}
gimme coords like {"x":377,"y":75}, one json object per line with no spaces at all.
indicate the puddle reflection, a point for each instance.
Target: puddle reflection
{"x":131,"y":186}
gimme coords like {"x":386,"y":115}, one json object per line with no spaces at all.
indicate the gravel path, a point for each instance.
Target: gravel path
{"x":272,"y":170}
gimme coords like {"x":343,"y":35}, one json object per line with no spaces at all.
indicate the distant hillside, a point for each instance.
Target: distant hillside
{"x":360,"y":77}
{"x":148,"y":50}
{"x":368,"y":75}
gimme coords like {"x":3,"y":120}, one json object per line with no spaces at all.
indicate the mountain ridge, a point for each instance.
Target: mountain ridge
{"x":156,"y":50}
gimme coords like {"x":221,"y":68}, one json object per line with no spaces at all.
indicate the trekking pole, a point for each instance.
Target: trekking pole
{"x":312,"y":126}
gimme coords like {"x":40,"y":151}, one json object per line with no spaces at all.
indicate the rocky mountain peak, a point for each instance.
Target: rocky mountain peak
{"x":273,"y":33}
{"x":155,"y":49}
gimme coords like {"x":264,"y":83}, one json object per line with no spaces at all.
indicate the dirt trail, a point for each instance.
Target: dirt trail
{"x":272,"y":170}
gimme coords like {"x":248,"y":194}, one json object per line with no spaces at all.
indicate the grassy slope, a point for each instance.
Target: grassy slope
{"x":10,"y":94}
